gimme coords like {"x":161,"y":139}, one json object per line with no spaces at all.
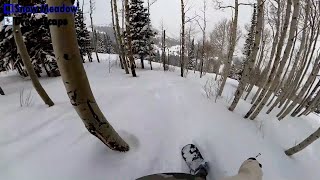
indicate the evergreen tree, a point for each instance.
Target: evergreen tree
{"x":108,"y":43}
{"x":141,"y":32}
{"x":101,"y":46}
{"x":191,"y":56}
{"x":158,"y":56}
{"x":37,"y":40}
{"x":104,"y":43}
{"x":249,"y":43}
{"x":83,"y":35}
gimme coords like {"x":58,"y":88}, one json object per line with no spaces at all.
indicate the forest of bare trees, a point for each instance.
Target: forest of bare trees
{"x":277,"y":72}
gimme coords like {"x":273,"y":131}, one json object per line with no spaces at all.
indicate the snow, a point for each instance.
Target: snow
{"x":157,"y":114}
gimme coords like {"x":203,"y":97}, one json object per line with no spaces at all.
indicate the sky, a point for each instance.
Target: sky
{"x":169,"y":12}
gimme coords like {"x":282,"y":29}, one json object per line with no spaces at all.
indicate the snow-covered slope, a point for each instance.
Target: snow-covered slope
{"x":157,"y":114}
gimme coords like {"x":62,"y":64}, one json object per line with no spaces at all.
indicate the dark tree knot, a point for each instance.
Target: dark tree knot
{"x":66,"y":57}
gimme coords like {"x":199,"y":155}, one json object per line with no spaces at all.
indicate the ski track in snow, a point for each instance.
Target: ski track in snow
{"x":157,"y":114}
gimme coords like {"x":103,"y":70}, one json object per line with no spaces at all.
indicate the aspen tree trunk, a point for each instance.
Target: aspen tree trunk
{"x":164,"y":50}
{"x":118,"y":36}
{"x":275,"y":65}
{"x":296,"y":74}
{"x":182,"y":37}
{"x":197,"y":55}
{"x":168,"y":58}
{"x":297,"y":99}
{"x":149,"y":44}
{"x":22,"y":49}
{"x":296,"y":85}
{"x":221,"y":53}
{"x":227,"y":64}
{"x":272,"y":54}
{"x":129,"y":39}
{"x":65,"y":47}
{"x":288,"y":84}
{"x":307,"y":99}
{"x":305,"y":143}
{"x":202,"y":61}
{"x":312,"y":107}
{"x":1,"y":91}
{"x":94,"y":35}
{"x":293,"y":28}
{"x":283,"y":79}
{"x":250,"y":63}
{"x":204,"y":29}
{"x":253,"y":80}
{"x":314,"y":43}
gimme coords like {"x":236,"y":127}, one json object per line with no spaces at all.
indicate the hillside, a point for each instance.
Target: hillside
{"x":156,"y":113}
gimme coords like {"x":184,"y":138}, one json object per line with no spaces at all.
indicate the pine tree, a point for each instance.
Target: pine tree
{"x":249,"y":43}
{"x":191,"y":56}
{"x":141,"y":34}
{"x":108,"y":43}
{"x":83,"y":35}
{"x":101,"y":43}
{"x":39,"y":47}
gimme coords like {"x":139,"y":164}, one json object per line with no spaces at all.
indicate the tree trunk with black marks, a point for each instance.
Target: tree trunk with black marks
{"x":256,"y":106}
{"x":1,"y":91}
{"x":272,"y":54}
{"x":22,"y":49}
{"x":297,"y":99}
{"x":121,"y":42}
{"x":276,"y":80}
{"x":288,"y":84}
{"x":305,"y":143}
{"x":252,"y":58}
{"x":227,"y":65}
{"x":164,"y":50}
{"x":129,"y":39}
{"x":76,"y":82}
{"x":183,"y":38}
{"x":94,"y":34}
{"x":196,"y":61}
{"x":309,"y":98}
{"x":116,"y":37}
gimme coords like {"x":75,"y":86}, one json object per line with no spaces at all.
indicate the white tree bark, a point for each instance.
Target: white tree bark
{"x":22,"y":50}
{"x":305,"y":143}
{"x":275,"y":82}
{"x":272,"y":54}
{"x":256,"y":106}
{"x":114,"y":9}
{"x":74,"y":77}
{"x":94,"y":34}
{"x":227,"y":64}
{"x":288,"y":84}
{"x":314,"y":101}
{"x":203,"y":29}
{"x":129,"y":39}
{"x":252,"y":58}
{"x":293,"y":84}
{"x":297,"y":99}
